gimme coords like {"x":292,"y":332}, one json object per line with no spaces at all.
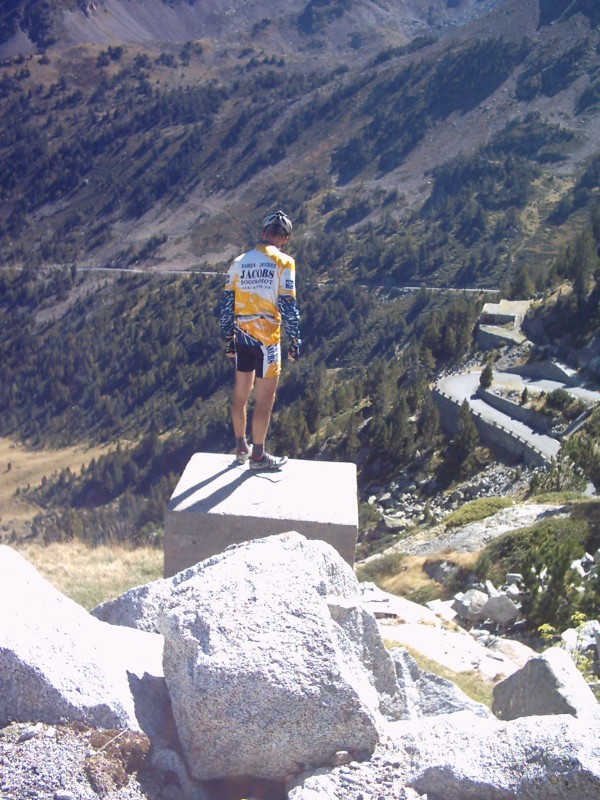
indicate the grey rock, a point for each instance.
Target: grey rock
{"x":469,"y":605}
{"x":58,"y":663}
{"x":359,"y":641}
{"x":548,"y":684}
{"x":516,"y":651}
{"x":139,"y":607}
{"x":514,"y":578}
{"x":582,"y":638}
{"x":442,"y":609}
{"x":462,"y":757}
{"x":500,"y":610}
{"x":261,"y":665}
{"x":429,"y":695}
{"x":514,"y":593}
{"x":395,"y":523}
{"x":579,"y":568}
{"x":386,"y":500}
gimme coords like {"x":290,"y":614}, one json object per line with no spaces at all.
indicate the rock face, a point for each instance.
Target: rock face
{"x":428,"y":695}
{"x":548,"y":684}
{"x":273,"y":672}
{"x":464,"y":757}
{"x":272,"y":664}
{"x":57,"y":663}
{"x":537,"y":758}
{"x":140,"y":607}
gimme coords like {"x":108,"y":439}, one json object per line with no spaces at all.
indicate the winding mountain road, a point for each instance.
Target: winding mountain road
{"x":464,"y":386}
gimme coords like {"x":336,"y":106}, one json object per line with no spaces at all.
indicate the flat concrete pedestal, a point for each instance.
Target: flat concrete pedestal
{"x":218,"y":503}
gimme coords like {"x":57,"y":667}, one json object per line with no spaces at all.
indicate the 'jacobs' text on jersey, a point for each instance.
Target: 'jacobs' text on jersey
{"x":257,"y":272}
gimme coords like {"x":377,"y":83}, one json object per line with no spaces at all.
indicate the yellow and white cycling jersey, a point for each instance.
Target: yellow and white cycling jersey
{"x":262,"y":280}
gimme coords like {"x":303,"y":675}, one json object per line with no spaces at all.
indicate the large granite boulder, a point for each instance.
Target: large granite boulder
{"x":464,"y":757}
{"x":500,"y":610}
{"x":271,"y":662}
{"x":460,"y":757}
{"x":547,"y":684}
{"x":59,"y":664}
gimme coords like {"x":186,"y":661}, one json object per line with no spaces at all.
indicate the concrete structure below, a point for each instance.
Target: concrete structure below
{"x":218,"y":503}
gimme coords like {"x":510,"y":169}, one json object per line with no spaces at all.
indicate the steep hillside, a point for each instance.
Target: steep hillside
{"x":452,"y":133}
{"x":333,"y":22}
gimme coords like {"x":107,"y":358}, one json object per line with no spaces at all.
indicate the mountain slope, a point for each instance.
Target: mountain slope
{"x":166,"y":153}
{"x":158,"y":21}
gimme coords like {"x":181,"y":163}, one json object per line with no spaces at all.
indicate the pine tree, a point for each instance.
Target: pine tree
{"x":429,"y":420}
{"x":487,"y":376}
{"x":467,"y":431}
{"x":462,"y":450}
{"x":584,"y":259}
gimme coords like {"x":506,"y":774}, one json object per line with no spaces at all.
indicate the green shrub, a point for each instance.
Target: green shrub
{"x":563,"y":474}
{"x":476,"y":510}
{"x":543,"y":554}
{"x":559,"y":399}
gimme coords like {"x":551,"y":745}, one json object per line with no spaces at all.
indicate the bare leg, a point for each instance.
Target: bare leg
{"x":264,"y":392}
{"x":241,"y":394}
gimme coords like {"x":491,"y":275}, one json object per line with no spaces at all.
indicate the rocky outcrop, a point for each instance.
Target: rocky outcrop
{"x":547,"y":684}
{"x":463,"y":757}
{"x":534,"y":758}
{"x":58,"y":663}
{"x":274,"y":671}
{"x":429,"y":695}
{"x":495,"y":606}
{"x":272,"y":664}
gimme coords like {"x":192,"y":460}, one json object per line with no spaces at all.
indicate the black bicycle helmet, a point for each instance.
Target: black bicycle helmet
{"x":277,"y":221}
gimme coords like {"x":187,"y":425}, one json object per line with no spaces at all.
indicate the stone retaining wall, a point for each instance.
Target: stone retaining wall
{"x":535,"y":420}
{"x":490,"y":432}
{"x":546,"y":370}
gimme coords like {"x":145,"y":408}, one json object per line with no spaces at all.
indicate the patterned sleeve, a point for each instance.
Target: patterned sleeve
{"x":226,"y":312}
{"x":290,"y":316}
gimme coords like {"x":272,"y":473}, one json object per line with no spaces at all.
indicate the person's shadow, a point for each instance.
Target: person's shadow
{"x":212,"y":500}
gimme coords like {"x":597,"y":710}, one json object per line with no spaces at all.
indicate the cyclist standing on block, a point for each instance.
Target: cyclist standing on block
{"x":260,"y":297}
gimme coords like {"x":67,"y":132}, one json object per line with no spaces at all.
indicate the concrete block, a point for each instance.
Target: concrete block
{"x":218,"y":503}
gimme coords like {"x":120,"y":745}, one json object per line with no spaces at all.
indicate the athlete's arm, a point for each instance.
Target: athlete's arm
{"x":226,"y":313}
{"x":290,"y":316}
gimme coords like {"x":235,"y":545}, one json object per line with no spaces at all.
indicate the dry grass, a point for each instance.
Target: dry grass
{"x":413,"y":581}
{"x":22,"y":467}
{"x":91,"y":575}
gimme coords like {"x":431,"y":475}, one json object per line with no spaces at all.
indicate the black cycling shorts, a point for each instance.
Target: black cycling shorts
{"x":263,"y":359}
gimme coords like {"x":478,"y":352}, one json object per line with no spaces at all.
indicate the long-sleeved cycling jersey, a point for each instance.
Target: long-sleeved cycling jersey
{"x":260,"y":296}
